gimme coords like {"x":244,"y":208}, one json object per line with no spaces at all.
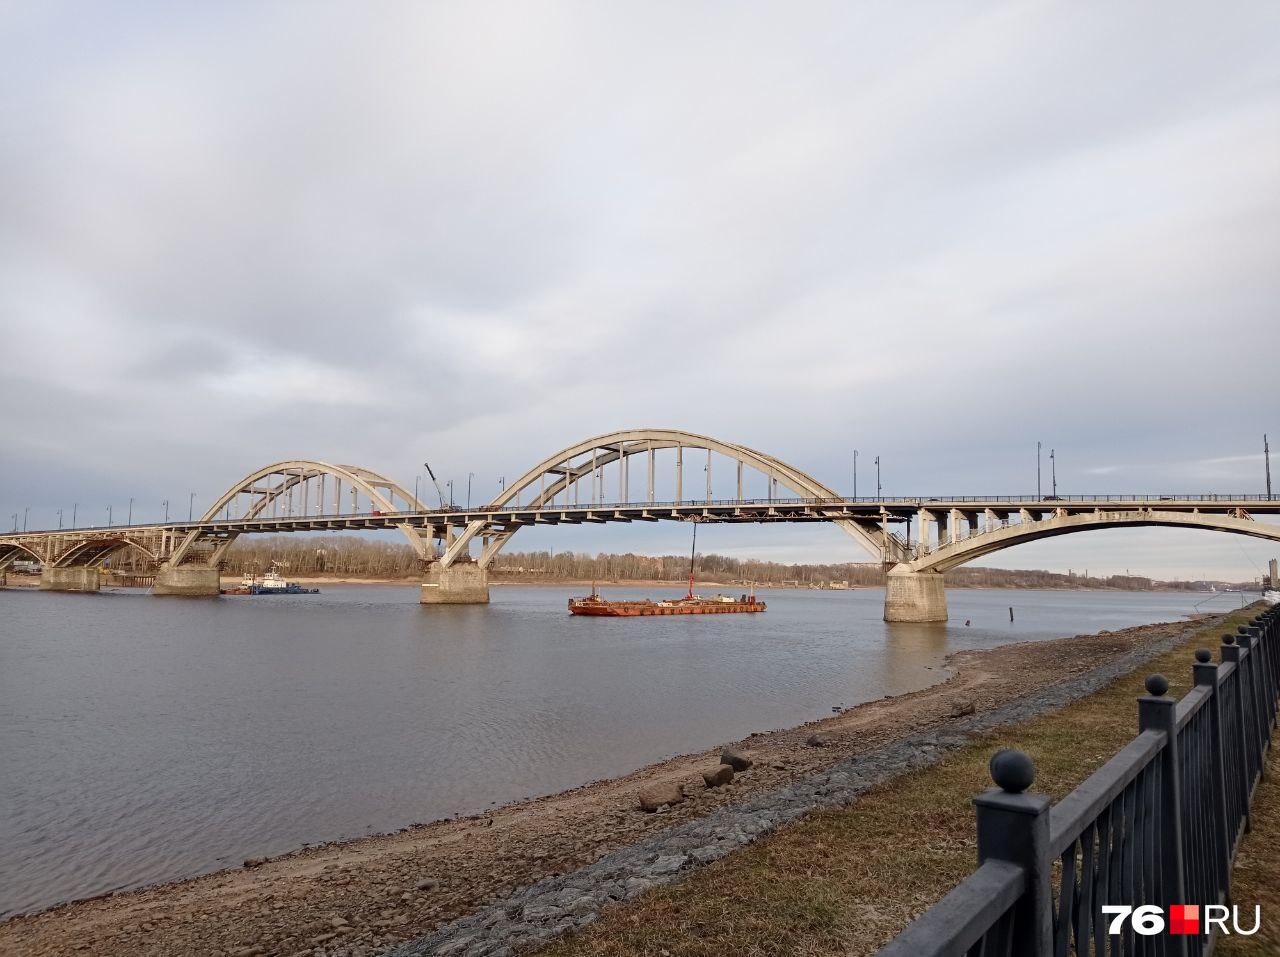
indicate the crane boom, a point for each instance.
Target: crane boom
{"x":436,"y":483}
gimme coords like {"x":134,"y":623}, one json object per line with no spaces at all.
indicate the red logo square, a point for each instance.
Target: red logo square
{"x":1184,"y":919}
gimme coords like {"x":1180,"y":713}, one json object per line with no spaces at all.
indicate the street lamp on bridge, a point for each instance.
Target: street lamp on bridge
{"x":191,"y":502}
{"x":59,"y":519}
{"x":75,"y":507}
{"x":470,"y":475}
{"x":26,"y":513}
{"x":130,"y":522}
{"x":166,"y":510}
{"x":1053,"y":472}
{"x":855,"y":473}
{"x":108,"y":516}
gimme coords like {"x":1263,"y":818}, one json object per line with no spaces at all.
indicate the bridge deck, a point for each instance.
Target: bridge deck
{"x":892,"y":510}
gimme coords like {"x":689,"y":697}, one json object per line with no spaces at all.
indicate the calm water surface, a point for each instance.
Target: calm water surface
{"x":146,"y":739}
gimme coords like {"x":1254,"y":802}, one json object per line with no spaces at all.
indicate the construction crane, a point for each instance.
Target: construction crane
{"x":436,"y":483}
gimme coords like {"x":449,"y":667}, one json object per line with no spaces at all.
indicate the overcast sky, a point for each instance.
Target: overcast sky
{"x":475,"y":233}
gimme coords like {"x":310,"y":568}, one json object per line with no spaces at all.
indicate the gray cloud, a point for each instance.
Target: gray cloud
{"x":381,"y":233}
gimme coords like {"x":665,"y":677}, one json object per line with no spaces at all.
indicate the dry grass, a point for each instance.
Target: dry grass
{"x":1256,"y":878}
{"x":846,"y":881}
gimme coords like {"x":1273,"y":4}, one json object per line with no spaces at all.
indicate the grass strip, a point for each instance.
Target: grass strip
{"x":1256,"y":876}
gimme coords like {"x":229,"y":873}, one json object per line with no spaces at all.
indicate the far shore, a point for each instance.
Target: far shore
{"x":527,"y":581}
{"x":21,"y":580}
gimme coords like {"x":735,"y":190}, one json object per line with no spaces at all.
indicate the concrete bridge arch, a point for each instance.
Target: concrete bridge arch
{"x":562,"y":471}
{"x":915,"y":589}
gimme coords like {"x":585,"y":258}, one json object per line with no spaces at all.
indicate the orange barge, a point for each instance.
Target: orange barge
{"x":688,"y":605}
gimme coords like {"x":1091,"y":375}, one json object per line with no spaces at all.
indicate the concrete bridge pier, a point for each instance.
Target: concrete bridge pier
{"x":71,"y":578}
{"x":914,"y":596}
{"x":462,"y":583}
{"x":192,"y":581}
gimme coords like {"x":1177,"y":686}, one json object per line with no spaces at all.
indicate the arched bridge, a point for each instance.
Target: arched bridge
{"x":633,"y":475}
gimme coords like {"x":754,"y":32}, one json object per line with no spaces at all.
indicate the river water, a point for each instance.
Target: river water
{"x":146,"y":739}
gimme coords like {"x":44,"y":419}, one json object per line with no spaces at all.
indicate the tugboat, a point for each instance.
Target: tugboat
{"x":690,"y":604}
{"x":269,"y":584}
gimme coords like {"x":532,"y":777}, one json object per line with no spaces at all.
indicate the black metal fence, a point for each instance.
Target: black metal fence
{"x":1158,"y":824}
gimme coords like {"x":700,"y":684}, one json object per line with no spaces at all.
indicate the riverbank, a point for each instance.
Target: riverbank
{"x":230,"y":580}
{"x":844,"y":881}
{"x":498,"y":580}
{"x":16,"y":580}
{"x":367,"y":894}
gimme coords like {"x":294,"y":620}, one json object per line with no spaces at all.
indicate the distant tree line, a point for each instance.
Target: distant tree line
{"x":332,"y":555}
{"x":350,"y":556}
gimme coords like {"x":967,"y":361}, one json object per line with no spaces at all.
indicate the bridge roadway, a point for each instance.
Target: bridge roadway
{"x":920,"y":538}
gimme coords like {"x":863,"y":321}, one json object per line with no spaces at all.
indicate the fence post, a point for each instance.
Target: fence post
{"x":1206,"y":675}
{"x":1014,"y":826}
{"x":1269,"y":622}
{"x":1230,"y":653}
{"x":1156,"y":712}
{"x":1250,"y":660}
{"x":1266,"y":700}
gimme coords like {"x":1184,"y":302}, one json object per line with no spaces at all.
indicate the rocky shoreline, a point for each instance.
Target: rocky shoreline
{"x":555,"y":906}
{"x":518,"y":875}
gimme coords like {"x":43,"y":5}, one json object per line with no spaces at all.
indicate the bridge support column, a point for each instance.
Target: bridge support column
{"x":72,"y":578}
{"x":189,"y":580}
{"x":914,"y":596}
{"x":463,"y":583}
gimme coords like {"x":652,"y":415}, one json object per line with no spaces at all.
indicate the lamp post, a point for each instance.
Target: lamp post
{"x":450,"y":484}
{"x":26,"y":513}
{"x":470,"y":475}
{"x":166,"y":510}
{"x":108,"y":516}
{"x":878,"y":496}
{"x":15,"y":521}
{"x":1266,"y":455}
{"x":191,"y":502}
{"x":1037,"y":470}
{"x":855,"y":473}
{"x":75,"y":507}
{"x":59,"y":519}
{"x":1053,"y":472}
{"x":130,"y":522}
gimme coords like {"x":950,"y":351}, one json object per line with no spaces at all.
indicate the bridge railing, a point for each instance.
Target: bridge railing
{"x":1158,"y":824}
{"x":795,"y":501}
{"x":911,"y":501}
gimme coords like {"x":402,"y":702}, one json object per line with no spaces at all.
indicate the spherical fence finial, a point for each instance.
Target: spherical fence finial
{"x":1157,"y":685}
{"x":1204,"y":655}
{"x":1012,"y":770}
{"x":1242,"y":630}
{"x":1228,"y":639}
